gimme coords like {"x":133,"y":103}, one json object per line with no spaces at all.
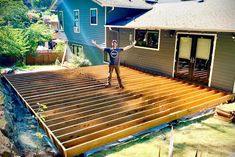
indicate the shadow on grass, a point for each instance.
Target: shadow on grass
{"x":147,"y":137}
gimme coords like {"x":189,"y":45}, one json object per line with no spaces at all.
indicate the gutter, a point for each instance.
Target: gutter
{"x":120,"y":6}
{"x":170,"y":28}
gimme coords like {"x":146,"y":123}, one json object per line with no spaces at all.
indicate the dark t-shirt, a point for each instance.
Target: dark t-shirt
{"x":113,"y":55}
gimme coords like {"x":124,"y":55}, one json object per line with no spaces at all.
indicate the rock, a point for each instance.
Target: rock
{"x":8,"y":71}
{"x":4,"y":132}
{"x":48,"y":149}
{"x":4,"y":144}
{"x":30,"y":154}
{"x":1,"y":98}
{"x":7,"y":154}
{"x":33,"y":126}
{"x":2,"y":123}
{"x":26,"y":139}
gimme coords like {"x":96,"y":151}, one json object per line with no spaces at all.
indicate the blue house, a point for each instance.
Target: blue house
{"x":84,"y":20}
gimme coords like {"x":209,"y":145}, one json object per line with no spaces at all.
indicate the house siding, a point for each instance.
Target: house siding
{"x":160,"y":61}
{"x":223,"y":75}
{"x":87,"y":31}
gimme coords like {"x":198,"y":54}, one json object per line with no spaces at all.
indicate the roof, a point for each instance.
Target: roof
{"x":211,"y":15}
{"x":137,"y":4}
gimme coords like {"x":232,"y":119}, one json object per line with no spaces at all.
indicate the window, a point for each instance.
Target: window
{"x":77,"y":49}
{"x":93,"y":16}
{"x":76,"y":25}
{"x":61,"y":20}
{"x":147,"y":39}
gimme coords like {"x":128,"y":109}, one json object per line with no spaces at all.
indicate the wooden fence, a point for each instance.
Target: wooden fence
{"x":43,"y":58}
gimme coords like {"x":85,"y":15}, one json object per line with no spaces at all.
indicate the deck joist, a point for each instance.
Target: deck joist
{"x":82,"y":114}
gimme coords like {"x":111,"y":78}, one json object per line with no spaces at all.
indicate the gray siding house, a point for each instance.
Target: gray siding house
{"x":190,"y":40}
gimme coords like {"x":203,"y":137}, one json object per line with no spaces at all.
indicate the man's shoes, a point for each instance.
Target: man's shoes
{"x":121,"y":86}
{"x":107,"y":85}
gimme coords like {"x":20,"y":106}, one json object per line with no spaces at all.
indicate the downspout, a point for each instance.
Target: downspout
{"x":117,"y":32}
{"x":111,"y":9}
{"x":110,"y":29}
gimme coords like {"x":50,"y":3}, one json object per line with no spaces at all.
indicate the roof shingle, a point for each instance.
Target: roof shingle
{"x":211,"y":15}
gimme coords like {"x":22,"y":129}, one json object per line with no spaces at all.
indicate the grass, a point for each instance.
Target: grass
{"x":212,"y":137}
{"x":34,"y":67}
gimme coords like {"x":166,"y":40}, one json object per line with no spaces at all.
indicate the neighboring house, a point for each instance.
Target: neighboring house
{"x":189,"y":40}
{"x":84,"y":20}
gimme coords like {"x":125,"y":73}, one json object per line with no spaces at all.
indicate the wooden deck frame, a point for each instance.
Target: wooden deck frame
{"x":83,"y":115}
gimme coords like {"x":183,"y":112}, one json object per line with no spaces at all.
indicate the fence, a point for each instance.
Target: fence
{"x":43,"y":58}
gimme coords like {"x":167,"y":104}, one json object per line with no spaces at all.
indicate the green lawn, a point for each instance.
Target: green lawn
{"x":35,"y":68}
{"x":210,"y":136}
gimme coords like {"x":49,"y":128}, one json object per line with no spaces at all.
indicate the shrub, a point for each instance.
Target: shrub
{"x":80,"y":61}
{"x":60,"y":47}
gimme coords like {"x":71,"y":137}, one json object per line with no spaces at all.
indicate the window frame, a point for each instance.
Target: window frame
{"x":96,"y":10}
{"x":76,"y":10}
{"x":77,"y":45}
{"x":62,"y":18}
{"x":106,"y":55}
{"x":149,"y":31}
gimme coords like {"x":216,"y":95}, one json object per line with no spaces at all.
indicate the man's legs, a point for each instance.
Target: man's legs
{"x":117,"y":70}
{"x":110,"y":75}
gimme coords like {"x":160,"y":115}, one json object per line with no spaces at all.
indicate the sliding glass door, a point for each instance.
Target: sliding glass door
{"x":193,"y":57}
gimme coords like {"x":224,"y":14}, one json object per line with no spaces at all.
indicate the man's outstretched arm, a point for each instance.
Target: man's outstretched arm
{"x":129,"y":46}
{"x":96,"y":45}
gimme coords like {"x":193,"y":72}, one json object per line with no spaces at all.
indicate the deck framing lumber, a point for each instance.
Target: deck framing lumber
{"x":82,"y":114}
{"x":58,"y":144}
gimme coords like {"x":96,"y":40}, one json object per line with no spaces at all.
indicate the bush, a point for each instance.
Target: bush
{"x":57,"y":61}
{"x":80,"y":61}
{"x":20,"y":64}
{"x":60,"y":47}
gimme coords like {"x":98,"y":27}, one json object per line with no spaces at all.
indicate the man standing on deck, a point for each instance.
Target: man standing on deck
{"x":114,"y":60}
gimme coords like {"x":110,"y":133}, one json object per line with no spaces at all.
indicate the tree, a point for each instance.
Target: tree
{"x":18,"y":37}
{"x":13,"y":42}
{"x":37,"y":34}
{"x":13,"y":13}
{"x":19,"y":42}
{"x":42,"y":4}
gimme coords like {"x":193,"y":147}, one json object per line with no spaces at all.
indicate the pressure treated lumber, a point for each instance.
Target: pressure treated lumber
{"x":82,"y":114}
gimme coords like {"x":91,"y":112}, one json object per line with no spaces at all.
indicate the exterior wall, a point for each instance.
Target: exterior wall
{"x":94,"y":55}
{"x":160,"y":61}
{"x":223,"y":75}
{"x":87,"y":31}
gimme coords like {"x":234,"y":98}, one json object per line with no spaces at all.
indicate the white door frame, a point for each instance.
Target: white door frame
{"x":213,"y":52}
{"x":234,"y":87}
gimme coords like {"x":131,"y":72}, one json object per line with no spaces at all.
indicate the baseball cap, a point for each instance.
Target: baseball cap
{"x":114,"y":41}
